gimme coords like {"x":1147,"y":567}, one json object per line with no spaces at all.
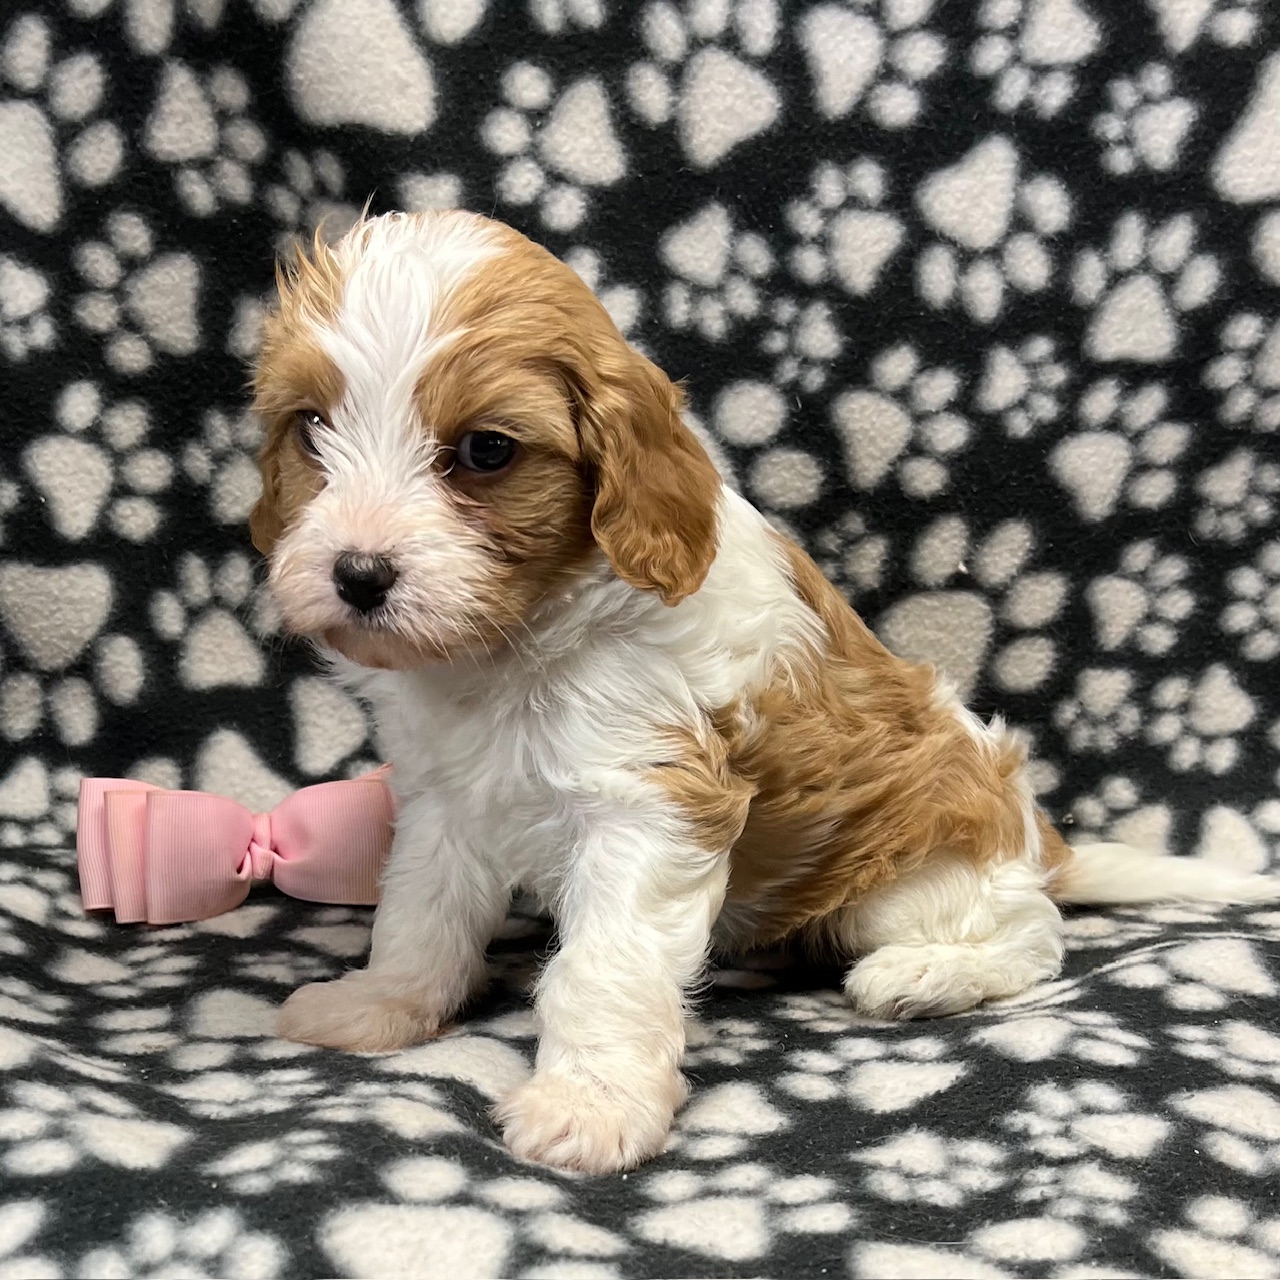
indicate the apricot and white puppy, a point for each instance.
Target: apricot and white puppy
{"x":600,"y":675}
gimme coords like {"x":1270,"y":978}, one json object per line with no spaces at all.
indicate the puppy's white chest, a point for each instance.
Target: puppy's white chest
{"x":499,"y":771}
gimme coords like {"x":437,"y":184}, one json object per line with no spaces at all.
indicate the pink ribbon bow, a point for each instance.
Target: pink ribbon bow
{"x":167,"y":856}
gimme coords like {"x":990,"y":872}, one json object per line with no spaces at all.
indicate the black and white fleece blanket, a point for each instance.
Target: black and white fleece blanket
{"x":978,"y":298}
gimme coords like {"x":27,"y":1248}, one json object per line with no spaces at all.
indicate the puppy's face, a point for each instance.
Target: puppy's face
{"x":454,"y":427}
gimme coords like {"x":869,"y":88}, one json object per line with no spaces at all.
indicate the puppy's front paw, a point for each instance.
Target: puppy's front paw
{"x":359,"y":1012}
{"x":577,"y":1122}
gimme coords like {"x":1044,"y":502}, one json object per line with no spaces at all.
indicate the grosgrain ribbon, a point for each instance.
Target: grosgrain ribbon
{"x":168,"y":856}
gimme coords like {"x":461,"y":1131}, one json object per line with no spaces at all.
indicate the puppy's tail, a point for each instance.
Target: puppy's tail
{"x":1117,"y":873}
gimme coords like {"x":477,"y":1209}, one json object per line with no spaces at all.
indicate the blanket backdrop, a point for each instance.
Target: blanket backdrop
{"x":979,"y":300}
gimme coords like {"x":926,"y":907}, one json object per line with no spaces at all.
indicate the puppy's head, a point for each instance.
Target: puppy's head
{"x":454,"y":426}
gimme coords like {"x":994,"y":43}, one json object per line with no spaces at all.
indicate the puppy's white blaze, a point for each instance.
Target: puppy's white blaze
{"x":397,"y":271}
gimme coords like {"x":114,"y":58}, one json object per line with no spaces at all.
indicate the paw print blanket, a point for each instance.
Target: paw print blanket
{"x":981,"y":302}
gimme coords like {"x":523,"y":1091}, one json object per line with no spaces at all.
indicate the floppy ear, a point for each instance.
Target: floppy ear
{"x":656,"y":489}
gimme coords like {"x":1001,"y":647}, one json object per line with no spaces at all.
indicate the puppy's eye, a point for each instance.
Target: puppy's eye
{"x":486,"y":451}
{"x":306,"y":425}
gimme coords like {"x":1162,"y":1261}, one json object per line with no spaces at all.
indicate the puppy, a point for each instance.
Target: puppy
{"x":601,"y":676}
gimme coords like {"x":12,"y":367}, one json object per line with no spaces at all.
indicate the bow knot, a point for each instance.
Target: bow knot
{"x":167,"y":856}
{"x":260,"y":861}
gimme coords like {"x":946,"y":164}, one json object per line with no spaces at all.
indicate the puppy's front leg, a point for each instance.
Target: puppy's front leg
{"x":635,"y":921}
{"x":441,"y":904}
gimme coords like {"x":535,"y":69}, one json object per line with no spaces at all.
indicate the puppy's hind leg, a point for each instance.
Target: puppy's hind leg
{"x":948,"y":935}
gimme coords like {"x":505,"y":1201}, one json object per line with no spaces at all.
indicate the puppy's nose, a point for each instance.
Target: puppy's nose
{"x":363,"y":580}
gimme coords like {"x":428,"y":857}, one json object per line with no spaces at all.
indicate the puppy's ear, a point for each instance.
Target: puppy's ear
{"x":656,"y":489}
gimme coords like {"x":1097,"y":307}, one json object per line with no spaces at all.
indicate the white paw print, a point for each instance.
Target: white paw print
{"x":877,"y":53}
{"x":804,"y":339}
{"x":26,"y":697}
{"x":1023,"y":385}
{"x":623,"y":302}
{"x":45,"y":820}
{"x":1087,"y":1035}
{"x":995,"y":224}
{"x":922,"y":1167}
{"x":434,"y":1190}
{"x":1101,"y":715}
{"x":217,"y":1242}
{"x":1241,"y":1049}
{"x":904,"y":423}
{"x":257,"y":1168}
{"x":33,"y":651}
{"x":48,"y":1131}
{"x":1145,"y":125}
{"x":1198,"y":720}
{"x":1084,"y":1189}
{"x":1235,"y":1127}
{"x":719,"y":272}
{"x":100,"y":462}
{"x":1008,"y":618}
{"x":1139,"y":285}
{"x":147,"y":306}
{"x":309,"y":195}
{"x":216,"y":650}
{"x":1111,"y":812}
{"x":1144,"y":602}
{"x":1221,"y":1236}
{"x":701,"y":70}
{"x":1127,"y":452}
{"x":202,"y":130}
{"x":51,"y":131}
{"x":844,"y":233}
{"x":37,"y":899}
{"x":890,"y":1072}
{"x":1254,"y":614}
{"x":1030,"y":50}
{"x":223,"y":461}
{"x":1247,"y":374}
{"x":542,"y":137}
{"x":1239,"y":494}
{"x":850,"y":555}
{"x":1086,"y":1119}
{"x":25,"y":325}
